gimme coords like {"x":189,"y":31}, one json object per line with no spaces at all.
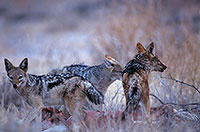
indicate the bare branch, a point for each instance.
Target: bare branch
{"x":157,"y":99}
{"x":170,"y":78}
{"x":173,"y":103}
{"x":183,"y":104}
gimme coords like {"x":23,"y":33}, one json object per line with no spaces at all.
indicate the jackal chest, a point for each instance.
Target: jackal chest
{"x":29,"y":96}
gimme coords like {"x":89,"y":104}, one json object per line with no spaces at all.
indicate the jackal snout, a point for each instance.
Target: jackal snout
{"x":157,"y":65}
{"x":17,"y":75}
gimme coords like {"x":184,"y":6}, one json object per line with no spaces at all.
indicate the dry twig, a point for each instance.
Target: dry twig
{"x":170,"y":78}
{"x":173,"y":103}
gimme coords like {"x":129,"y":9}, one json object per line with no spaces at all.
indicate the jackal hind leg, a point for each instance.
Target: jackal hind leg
{"x":145,"y":104}
{"x":145,"y":107}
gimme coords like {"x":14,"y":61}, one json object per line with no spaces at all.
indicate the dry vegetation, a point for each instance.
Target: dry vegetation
{"x":177,"y":44}
{"x":177,"y":41}
{"x":179,"y":50}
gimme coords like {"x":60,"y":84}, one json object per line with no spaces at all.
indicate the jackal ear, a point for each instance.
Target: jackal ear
{"x":112,"y":64}
{"x":140,"y":48}
{"x":108,"y":62}
{"x":8,"y":65}
{"x":24,"y":64}
{"x":111,"y":60}
{"x":150,"y":48}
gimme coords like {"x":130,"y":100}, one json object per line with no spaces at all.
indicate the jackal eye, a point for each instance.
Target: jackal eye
{"x":10,"y":78}
{"x":20,"y":77}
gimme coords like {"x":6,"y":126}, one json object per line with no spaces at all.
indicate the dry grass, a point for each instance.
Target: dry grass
{"x":179,"y":50}
{"x":177,"y":45}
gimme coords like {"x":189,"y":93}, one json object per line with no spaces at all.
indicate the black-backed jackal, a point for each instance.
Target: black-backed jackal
{"x":135,"y":79}
{"x":101,"y":76}
{"x":52,"y":89}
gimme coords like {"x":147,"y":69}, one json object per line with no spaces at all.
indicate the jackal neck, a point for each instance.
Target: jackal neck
{"x":136,"y":65}
{"x":34,"y":85}
{"x":133,"y":66}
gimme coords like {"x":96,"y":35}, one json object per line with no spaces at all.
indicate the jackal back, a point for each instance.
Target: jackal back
{"x":101,"y":76}
{"x":36,"y":89}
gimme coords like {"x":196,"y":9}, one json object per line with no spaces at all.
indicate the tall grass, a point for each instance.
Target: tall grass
{"x":177,"y":45}
{"x":179,"y":50}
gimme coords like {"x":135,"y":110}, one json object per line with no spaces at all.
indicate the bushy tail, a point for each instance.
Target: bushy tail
{"x":132,"y":102}
{"x":93,"y":94}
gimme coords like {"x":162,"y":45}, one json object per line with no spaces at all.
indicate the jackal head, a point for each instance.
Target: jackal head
{"x":17,"y":75}
{"x":148,"y":58}
{"x":113,"y":66}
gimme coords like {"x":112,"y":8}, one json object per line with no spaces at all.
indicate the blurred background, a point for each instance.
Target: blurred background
{"x":55,"y":33}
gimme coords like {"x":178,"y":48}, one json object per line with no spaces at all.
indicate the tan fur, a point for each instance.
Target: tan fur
{"x":112,"y":60}
{"x":138,"y":79}
{"x":75,"y":99}
{"x":140,"y":48}
{"x":34,"y":91}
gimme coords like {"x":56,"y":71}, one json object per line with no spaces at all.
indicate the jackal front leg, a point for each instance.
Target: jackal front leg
{"x":146,"y":108}
{"x":37,"y":102}
{"x":146,"y":112}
